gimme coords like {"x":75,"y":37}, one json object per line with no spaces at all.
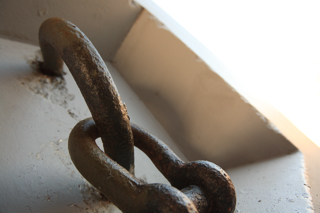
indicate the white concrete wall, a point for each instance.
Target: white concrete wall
{"x":201,"y":112}
{"x":105,"y":22}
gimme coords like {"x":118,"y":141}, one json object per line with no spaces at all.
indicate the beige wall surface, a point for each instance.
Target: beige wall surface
{"x":105,"y":22}
{"x":204,"y":115}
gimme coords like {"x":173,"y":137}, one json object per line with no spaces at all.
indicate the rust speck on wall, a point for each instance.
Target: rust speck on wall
{"x":52,"y":88}
{"x":42,"y":12}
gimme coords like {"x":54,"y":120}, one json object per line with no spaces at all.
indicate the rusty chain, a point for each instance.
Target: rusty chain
{"x":198,"y":186}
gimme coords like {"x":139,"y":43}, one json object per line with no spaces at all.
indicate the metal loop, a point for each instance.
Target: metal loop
{"x":116,"y":183}
{"x":205,"y":185}
{"x":60,"y":39}
{"x":210,"y":178}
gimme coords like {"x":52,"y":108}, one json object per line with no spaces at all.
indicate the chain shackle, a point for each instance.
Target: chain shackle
{"x":60,"y":40}
{"x":205,"y":186}
{"x":116,"y":183}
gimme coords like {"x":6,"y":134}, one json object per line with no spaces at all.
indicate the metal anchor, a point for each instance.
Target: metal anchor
{"x":199,"y":186}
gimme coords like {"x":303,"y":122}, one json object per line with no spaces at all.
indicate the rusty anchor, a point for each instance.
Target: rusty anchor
{"x":198,"y":186}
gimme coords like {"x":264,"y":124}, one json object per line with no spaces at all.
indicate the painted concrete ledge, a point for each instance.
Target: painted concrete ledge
{"x":276,"y":185}
{"x":37,"y":174}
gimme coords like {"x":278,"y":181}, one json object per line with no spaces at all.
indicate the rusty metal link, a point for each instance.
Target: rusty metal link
{"x":210,"y":180}
{"x":116,"y":183}
{"x":198,"y":186}
{"x":205,"y":186}
{"x":60,"y":40}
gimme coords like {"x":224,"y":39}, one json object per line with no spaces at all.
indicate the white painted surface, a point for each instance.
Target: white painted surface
{"x":276,"y":185}
{"x":309,"y":149}
{"x":100,"y":20}
{"x":37,"y":174}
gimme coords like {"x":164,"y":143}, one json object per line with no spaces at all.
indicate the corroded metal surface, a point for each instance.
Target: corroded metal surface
{"x":197,"y":196}
{"x":60,"y":41}
{"x":210,"y":178}
{"x":205,"y":186}
{"x":115,"y":182}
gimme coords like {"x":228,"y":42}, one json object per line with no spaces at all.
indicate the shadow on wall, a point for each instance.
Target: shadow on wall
{"x":201,"y":112}
{"x":226,"y":142}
